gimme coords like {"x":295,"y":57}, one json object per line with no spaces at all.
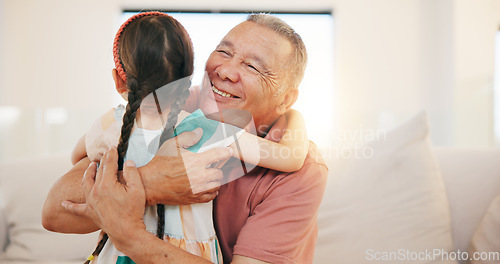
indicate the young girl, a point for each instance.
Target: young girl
{"x":154,"y":61}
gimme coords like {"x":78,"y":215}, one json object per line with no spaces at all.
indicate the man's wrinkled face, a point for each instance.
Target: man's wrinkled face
{"x":246,"y":70}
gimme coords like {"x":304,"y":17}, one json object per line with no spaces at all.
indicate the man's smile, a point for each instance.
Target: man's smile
{"x":223,"y":93}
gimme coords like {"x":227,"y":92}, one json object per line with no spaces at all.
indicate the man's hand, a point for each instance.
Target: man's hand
{"x":119,"y":208}
{"x":166,"y":180}
{"x":106,"y":197}
{"x":176,"y":176}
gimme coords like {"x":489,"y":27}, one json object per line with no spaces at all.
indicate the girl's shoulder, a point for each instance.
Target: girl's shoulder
{"x":104,"y":133}
{"x":113,"y":115}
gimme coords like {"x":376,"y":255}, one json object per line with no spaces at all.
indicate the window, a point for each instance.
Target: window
{"x":316,"y":29}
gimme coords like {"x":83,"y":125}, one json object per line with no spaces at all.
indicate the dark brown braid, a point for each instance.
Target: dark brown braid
{"x":168,"y":132}
{"x":134,"y":102}
{"x":175,"y":109}
{"x":154,"y":51}
{"x":99,"y":247}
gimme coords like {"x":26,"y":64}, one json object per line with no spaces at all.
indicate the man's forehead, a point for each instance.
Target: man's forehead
{"x":251,"y":30}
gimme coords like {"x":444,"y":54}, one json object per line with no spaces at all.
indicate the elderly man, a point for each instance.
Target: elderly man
{"x":263,"y":217}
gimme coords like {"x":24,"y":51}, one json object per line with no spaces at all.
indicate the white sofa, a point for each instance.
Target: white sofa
{"x":400,"y":200}
{"x":373,"y":205}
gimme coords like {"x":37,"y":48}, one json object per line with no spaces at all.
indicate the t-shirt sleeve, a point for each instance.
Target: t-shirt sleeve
{"x":282,"y":227}
{"x":104,"y":133}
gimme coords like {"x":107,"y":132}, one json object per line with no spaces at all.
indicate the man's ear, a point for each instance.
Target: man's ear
{"x":120,"y":85}
{"x":287,"y":99}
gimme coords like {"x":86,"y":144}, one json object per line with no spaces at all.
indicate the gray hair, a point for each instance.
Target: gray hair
{"x":298,"y":60}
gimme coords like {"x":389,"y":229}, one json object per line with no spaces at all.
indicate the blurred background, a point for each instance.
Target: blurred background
{"x":373,"y":64}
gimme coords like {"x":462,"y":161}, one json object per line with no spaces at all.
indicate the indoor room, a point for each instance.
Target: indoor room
{"x":401,"y":100}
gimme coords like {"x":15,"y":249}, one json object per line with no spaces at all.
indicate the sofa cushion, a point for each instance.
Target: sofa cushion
{"x":485,"y":245}
{"x":386,"y":201}
{"x":472,"y":179}
{"x":24,"y":186}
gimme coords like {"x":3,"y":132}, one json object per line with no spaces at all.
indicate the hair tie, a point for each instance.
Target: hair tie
{"x":116,"y":55}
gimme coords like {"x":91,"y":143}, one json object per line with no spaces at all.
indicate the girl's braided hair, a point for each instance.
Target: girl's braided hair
{"x":151,"y":50}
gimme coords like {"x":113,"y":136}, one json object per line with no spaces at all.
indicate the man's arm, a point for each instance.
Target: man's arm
{"x":119,"y":209}
{"x":167,"y":180}
{"x":108,"y":200}
{"x":68,"y":187}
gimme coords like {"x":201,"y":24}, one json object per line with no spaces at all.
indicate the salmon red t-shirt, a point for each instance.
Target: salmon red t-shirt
{"x":270,"y":215}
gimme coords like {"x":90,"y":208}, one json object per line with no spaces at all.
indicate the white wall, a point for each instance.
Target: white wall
{"x":393,"y":58}
{"x":55,"y":54}
{"x":2,"y":47}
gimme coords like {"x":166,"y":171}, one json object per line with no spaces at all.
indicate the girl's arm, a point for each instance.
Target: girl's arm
{"x":288,"y":155}
{"x":79,"y":151}
{"x":103,"y":123}
{"x":103,"y":134}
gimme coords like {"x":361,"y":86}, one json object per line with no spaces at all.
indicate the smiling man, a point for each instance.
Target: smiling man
{"x":256,"y":67}
{"x":264,"y":216}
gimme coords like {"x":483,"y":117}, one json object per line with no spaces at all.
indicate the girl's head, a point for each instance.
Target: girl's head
{"x":152,"y":50}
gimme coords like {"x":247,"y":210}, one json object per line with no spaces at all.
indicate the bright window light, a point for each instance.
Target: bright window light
{"x":316,"y":90}
{"x":9,"y":115}
{"x":56,"y":115}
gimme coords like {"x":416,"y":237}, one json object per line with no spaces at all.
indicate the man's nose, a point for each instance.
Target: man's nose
{"x":228,"y":70}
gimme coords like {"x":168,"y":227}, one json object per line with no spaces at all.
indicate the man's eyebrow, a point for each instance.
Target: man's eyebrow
{"x":259,"y":61}
{"x":226,"y":43}
{"x":254,"y":57}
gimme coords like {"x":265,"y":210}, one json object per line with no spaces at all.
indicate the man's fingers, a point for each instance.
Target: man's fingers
{"x":89,"y":178}
{"x":110,"y":167}
{"x":131,"y":175}
{"x":187,"y":139}
{"x":209,"y":175}
{"x":74,"y":208}
{"x":204,"y":187}
{"x":97,"y":177}
{"x":213,"y":174}
{"x":214,"y":155}
{"x":211,"y":181}
{"x":171,"y":147}
{"x":207,"y":197}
